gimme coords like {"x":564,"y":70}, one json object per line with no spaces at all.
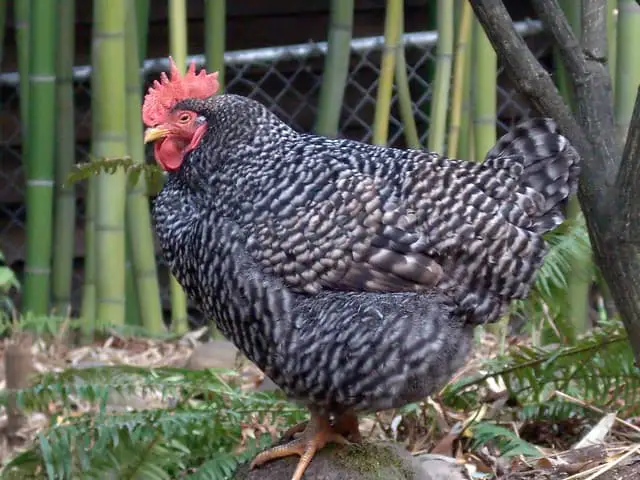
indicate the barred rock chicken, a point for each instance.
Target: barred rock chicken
{"x":351,"y":274}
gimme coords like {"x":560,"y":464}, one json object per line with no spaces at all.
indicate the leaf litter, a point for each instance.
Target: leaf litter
{"x":604,"y":449}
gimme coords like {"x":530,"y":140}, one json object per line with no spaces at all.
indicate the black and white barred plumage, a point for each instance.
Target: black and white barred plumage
{"x":353,"y":274}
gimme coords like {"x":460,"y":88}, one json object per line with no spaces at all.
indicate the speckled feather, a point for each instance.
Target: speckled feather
{"x":353,"y":274}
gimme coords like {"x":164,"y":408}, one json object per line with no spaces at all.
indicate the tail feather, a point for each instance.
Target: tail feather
{"x":551,"y":167}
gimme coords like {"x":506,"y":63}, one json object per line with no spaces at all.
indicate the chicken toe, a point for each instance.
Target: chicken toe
{"x":315,"y":436}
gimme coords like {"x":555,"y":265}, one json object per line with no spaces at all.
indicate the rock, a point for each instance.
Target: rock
{"x":442,"y":467}
{"x":369,"y":461}
{"x":214,"y":354}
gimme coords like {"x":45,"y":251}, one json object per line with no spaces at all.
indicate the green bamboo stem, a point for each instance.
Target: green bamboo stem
{"x":392,"y":38}
{"x":88,"y":306}
{"x":40,"y":157}
{"x":141,"y":9}
{"x":572,"y":10}
{"x":612,"y":39}
{"x":578,"y":288}
{"x":65,"y":198}
{"x":89,"y":295}
{"x":336,"y":68}
{"x":485,"y":91}
{"x":143,"y":300}
{"x":579,"y":282}
{"x":110,"y":141}
{"x":440,"y":97}
{"x":215,"y":37}
{"x":628,"y":73}
{"x":132,"y":304}
{"x":465,"y":140}
{"x":459,"y":72}
{"x":21,"y":20}
{"x":404,"y":97}
{"x":405,"y":103}
{"x":178,"y":48}
{"x":89,"y":290}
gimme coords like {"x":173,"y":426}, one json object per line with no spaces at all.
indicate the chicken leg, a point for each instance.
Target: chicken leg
{"x":345,"y":425}
{"x":317,"y":433}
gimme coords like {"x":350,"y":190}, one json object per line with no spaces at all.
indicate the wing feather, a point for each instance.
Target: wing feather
{"x":350,"y":240}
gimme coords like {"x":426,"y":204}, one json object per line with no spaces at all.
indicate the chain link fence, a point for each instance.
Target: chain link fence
{"x":285,"y":79}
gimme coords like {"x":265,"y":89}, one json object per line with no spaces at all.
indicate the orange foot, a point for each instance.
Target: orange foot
{"x":317,"y":433}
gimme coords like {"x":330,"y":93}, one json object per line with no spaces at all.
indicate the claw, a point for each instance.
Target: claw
{"x":317,"y":433}
{"x":291,"y":432}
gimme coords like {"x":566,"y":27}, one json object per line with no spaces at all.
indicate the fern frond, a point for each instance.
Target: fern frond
{"x":568,"y":246}
{"x":154,"y":443}
{"x":508,"y":442}
{"x":153,"y":174}
{"x":597,"y":369}
{"x":222,"y":465}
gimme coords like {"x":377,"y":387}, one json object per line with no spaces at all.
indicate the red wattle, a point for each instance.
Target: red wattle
{"x":169,"y":154}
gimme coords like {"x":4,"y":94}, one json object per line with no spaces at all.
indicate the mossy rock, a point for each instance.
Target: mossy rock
{"x":369,"y":461}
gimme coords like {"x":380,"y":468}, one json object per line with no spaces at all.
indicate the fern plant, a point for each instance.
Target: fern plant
{"x":153,"y":174}
{"x":195,"y":433}
{"x":599,"y":369}
{"x":8,"y":282}
{"x":569,"y":245}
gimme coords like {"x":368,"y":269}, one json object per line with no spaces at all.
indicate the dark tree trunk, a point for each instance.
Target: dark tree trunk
{"x":610,"y":183}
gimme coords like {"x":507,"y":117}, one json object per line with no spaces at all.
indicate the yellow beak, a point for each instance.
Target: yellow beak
{"x":156,"y":133}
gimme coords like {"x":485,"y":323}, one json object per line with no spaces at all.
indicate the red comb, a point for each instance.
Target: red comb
{"x":164,"y":94}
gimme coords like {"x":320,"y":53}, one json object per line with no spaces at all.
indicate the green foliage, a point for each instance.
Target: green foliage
{"x":50,"y":326}
{"x":598,"y":369}
{"x":569,"y":245}
{"x":505,"y":440}
{"x":153,"y":174}
{"x":193,"y":433}
{"x":8,"y":281}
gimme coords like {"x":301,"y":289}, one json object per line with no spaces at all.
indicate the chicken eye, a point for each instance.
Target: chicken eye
{"x":184,"y":118}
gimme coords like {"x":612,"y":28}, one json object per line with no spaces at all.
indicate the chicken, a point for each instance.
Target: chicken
{"x":351,"y":274}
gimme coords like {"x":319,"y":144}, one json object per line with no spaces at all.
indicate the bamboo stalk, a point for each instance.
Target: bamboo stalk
{"x":612,"y":39}
{"x":459,"y":72}
{"x":214,"y":37}
{"x":485,"y":91}
{"x":440,"y":97}
{"x":404,"y":97}
{"x":131,"y":304}
{"x":628,"y":74}
{"x":108,"y":88}
{"x":579,"y":282}
{"x":141,"y":9}
{"x":21,"y":20}
{"x":465,"y":140}
{"x":40,"y":157}
{"x":336,"y":68}
{"x":88,"y":307}
{"x":65,"y":198}
{"x":178,"y":47}
{"x":89,"y":295}
{"x":572,"y":10}
{"x":145,"y":296}
{"x":394,"y":13}
{"x":89,"y":290}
